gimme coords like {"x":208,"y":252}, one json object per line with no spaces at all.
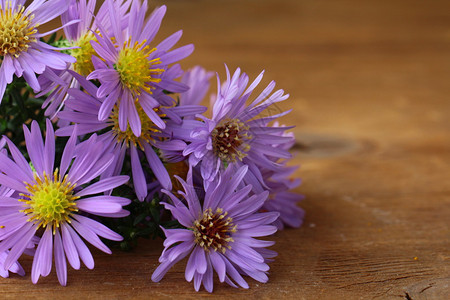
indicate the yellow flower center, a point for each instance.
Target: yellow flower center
{"x":83,"y":65}
{"x":148,"y":128}
{"x":229,"y":140}
{"x":214,"y":230}
{"x":50,"y":200}
{"x":16,"y":32}
{"x":136,"y":71}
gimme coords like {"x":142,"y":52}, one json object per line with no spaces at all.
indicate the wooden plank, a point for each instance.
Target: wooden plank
{"x":369,"y":84}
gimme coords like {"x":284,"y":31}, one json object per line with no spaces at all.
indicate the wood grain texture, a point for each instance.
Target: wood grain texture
{"x":370,"y":85}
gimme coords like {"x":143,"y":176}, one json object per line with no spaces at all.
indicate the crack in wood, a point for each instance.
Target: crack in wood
{"x":426,"y":288}
{"x":376,"y":281}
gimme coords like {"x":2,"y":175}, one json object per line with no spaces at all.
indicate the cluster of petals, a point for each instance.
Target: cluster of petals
{"x":120,"y":96}
{"x":83,"y":110}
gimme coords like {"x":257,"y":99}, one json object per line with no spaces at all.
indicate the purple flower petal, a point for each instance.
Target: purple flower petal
{"x":69,"y":247}
{"x":68,"y":152}
{"x":170,"y":41}
{"x":153,"y":24}
{"x":197,"y":281}
{"x":157,"y":167}
{"x":98,"y":228}
{"x":90,"y":236}
{"x":7,"y":69}
{"x":133,"y":117}
{"x":35,"y":146}
{"x":139,"y":182}
{"x":12,"y":183}
{"x":177,"y":54}
{"x":42,"y":262}
{"x":162,"y":269}
{"x":108,"y":104}
{"x":17,"y":250}
{"x":208,"y":277}
{"x":60,"y":260}
{"x":49,"y":10}
{"x":10,"y":168}
{"x":103,"y":185}
{"x":49,"y":148}
{"x":218,"y":264}
{"x":94,"y":207}
{"x":83,"y":251}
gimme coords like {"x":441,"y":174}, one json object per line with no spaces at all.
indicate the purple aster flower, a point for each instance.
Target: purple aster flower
{"x":20,"y":49}
{"x":220,"y":233}
{"x":131,"y":71}
{"x":84,"y":108}
{"x":79,"y":37}
{"x":55,"y":201}
{"x":237,"y":134}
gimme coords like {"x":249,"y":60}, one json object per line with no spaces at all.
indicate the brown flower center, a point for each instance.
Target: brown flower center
{"x":230,"y":139}
{"x":214,"y":230}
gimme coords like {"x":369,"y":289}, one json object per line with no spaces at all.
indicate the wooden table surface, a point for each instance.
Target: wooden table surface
{"x":370,"y":84}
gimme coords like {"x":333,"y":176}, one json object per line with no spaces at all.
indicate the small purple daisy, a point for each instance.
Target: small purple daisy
{"x":220,"y":232}
{"x":237,"y":134}
{"x":55,"y":201}
{"x":131,"y":71}
{"x":20,"y":49}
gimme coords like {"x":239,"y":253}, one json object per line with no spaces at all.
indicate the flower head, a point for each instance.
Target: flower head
{"x":55,"y":201}
{"x":133,"y":73}
{"x":220,"y":233}
{"x":237,"y":134}
{"x":21,"y":51}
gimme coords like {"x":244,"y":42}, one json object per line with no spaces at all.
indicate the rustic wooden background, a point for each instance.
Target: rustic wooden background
{"x":370,"y":85}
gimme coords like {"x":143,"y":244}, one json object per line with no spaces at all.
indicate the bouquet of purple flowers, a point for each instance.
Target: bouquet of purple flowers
{"x":135,"y":154}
